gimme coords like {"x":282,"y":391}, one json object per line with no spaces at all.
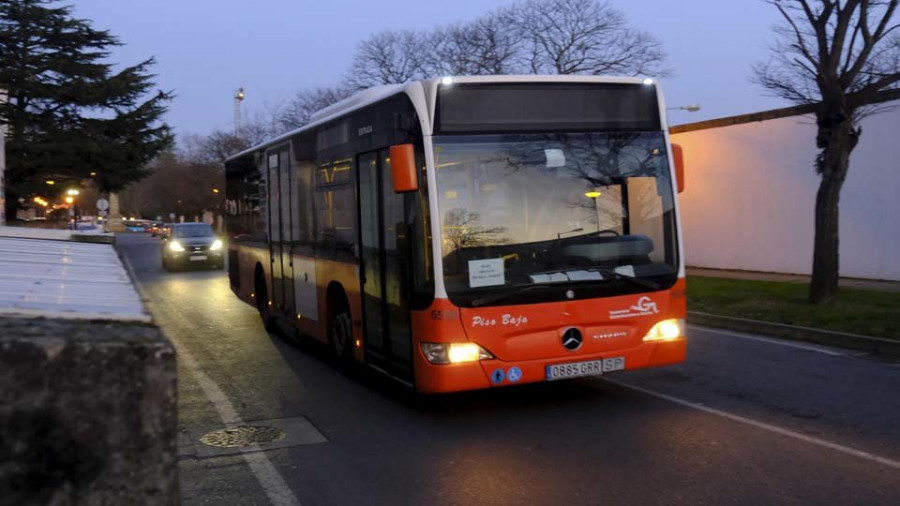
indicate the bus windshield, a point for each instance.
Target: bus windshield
{"x":565,"y":215}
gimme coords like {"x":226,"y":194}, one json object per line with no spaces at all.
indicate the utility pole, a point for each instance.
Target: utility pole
{"x":2,"y":164}
{"x":238,"y":98}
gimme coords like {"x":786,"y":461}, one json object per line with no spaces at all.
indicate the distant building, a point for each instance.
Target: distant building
{"x":750,"y":193}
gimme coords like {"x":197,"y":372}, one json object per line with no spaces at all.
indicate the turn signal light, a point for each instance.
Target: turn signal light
{"x":454,"y":353}
{"x":666,"y":330}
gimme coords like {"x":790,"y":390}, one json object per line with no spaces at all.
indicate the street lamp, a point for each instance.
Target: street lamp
{"x":595,"y":196}
{"x":238,"y":98}
{"x":71,"y":193}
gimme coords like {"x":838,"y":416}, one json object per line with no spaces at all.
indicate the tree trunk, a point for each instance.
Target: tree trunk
{"x":826,"y":260}
{"x":837,"y":142}
{"x":11,"y":206}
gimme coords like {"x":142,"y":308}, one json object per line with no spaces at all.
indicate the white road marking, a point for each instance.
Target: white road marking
{"x":278,"y":491}
{"x":780,"y":342}
{"x":269,"y":478}
{"x":762,"y":425}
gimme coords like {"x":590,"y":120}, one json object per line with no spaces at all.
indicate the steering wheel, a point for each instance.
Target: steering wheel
{"x":609,"y":231}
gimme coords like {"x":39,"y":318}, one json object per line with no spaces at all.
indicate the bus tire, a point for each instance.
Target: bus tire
{"x":340,"y":334}
{"x":262,"y":303}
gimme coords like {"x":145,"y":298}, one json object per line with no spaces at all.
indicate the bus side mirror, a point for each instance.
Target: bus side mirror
{"x":403,"y":168}
{"x":678,"y":156}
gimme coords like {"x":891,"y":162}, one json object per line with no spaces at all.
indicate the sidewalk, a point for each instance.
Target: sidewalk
{"x":861,"y":284}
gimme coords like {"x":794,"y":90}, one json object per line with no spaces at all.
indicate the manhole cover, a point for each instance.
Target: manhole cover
{"x":242,"y":436}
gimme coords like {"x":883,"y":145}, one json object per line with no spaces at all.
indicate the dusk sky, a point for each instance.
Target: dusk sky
{"x":206,"y":49}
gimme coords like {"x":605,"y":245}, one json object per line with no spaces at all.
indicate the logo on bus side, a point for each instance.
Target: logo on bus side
{"x":645,"y":306}
{"x":364,"y":130}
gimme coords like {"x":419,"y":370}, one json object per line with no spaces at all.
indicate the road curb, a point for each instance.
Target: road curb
{"x":826,"y":337}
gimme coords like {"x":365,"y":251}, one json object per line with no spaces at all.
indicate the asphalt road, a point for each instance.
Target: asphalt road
{"x":744,"y":421}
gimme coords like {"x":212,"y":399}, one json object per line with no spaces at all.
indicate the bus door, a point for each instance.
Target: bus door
{"x":386,"y":313}
{"x":279,"y":226}
{"x":287,"y":227}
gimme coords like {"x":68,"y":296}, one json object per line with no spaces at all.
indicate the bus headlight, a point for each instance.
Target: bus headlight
{"x":666,"y":330}
{"x":176,"y":246}
{"x":454,"y":353}
{"x":216,"y":245}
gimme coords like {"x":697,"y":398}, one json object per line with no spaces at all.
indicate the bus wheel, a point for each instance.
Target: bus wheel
{"x":341,"y":335}
{"x":262,"y":303}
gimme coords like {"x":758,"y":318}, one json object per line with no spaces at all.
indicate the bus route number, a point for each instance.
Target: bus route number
{"x":440,"y":315}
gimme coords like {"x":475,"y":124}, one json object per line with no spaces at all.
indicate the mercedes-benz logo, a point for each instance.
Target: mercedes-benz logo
{"x":571,"y":339}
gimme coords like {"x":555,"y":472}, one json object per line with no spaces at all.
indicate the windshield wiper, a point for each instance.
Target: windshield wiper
{"x":633,"y":279}
{"x":612,"y":276}
{"x":608,"y":275}
{"x":517,"y":290}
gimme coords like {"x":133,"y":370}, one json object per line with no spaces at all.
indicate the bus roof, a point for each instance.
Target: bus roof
{"x":427,"y":87}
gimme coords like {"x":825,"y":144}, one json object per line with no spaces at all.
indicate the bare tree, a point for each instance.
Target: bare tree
{"x":585,"y":37}
{"x":531,"y":36}
{"x":299,"y":109}
{"x":836,"y":55}
{"x":214,"y":148}
{"x":487,"y":46}
{"x":390,"y":57}
{"x":175,"y":186}
{"x":463,"y":229}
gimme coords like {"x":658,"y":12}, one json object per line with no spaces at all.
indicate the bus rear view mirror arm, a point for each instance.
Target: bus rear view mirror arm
{"x":403,"y":168}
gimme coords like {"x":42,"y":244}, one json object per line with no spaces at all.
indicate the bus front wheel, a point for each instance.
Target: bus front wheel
{"x":341,"y":335}
{"x":262,"y":304}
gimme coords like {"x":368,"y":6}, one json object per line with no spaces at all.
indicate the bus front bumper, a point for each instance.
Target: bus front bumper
{"x":431,"y":378}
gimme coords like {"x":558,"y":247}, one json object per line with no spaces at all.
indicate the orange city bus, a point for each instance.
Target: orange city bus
{"x":470,"y":232}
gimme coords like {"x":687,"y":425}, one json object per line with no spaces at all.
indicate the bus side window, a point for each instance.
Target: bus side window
{"x":335,"y":219}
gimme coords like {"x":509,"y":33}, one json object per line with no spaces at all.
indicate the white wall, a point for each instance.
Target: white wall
{"x":750,"y":197}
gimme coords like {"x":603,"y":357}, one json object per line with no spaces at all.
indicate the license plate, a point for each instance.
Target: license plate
{"x":586,"y":368}
{"x":198,"y":257}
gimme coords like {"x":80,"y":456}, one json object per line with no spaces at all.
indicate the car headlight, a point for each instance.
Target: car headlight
{"x":176,"y":246}
{"x":666,"y":330}
{"x":454,"y":353}
{"x":216,"y":245}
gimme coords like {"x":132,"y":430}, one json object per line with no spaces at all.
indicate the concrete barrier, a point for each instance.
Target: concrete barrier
{"x":87,"y":413}
{"x":88,"y":392}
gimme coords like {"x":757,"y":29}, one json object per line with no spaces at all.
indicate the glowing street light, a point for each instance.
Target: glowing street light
{"x":72,"y":192}
{"x":595,"y":196}
{"x":70,"y":200}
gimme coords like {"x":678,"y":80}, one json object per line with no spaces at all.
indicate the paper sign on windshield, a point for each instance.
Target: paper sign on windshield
{"x":486,"y":272}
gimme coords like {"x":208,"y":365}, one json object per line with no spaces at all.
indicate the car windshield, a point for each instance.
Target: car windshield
{"x":193,"y":230}
{"x":554,"y":210}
